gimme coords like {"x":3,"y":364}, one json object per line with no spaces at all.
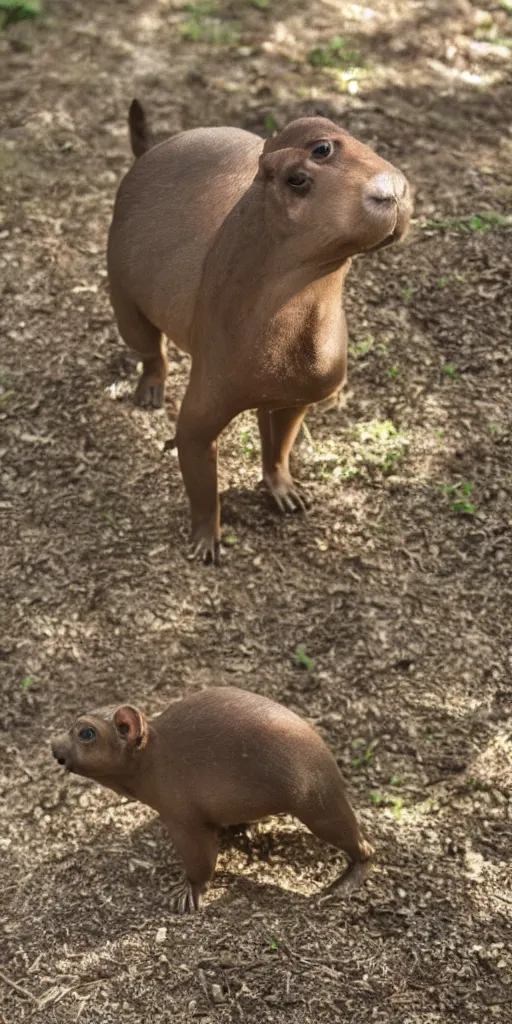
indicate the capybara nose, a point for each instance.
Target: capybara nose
{"x":58,"y":753}
{"x":388,"y":186}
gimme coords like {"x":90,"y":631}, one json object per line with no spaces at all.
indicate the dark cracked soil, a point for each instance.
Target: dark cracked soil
{"x":395,"y":591}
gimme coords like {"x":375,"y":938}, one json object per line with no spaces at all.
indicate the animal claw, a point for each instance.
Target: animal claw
{"x":207,"y":550}
{"x":185,"y":898}
{"x":288,"y":496}
{"x":149,"y":395}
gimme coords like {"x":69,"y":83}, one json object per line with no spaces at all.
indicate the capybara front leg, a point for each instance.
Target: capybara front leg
{"x":196,"y":439}
{"x":198,"y":846}
{"x":278,"y":431}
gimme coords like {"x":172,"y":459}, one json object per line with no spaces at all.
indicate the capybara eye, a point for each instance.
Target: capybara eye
{"x":87,"y":734}
{"x":298,"y":179}
{"x":322,"y":150}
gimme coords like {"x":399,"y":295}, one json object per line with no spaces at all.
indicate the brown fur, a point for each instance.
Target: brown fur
{"x":219,"y":758}
{"x":237,"y":250}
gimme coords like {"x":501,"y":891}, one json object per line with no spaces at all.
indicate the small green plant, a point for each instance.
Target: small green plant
{"x":450,"y":370}
{"x":247,"y":444}
{"x":372,"y":445}
{"x":337,"y":53}
{"x":270,"y":124}
{"x":473,"y":222}
{"x":303,"y":659}
{"x":494,"y":428}
{"x":406,"y":295}
{"x":359,"y":349}
{"x":439,"y":435}
{"x":12,"y":11}
{"x":376,"y":430}
{"x":366,"y":754}
{"x":460,"y":493}
{"x":203,"y":27}
{"x":368,"y":343}
{"x":273,"y":945}
{"x":443,"y":281}
{"x":378,"y":799}
{"x":463,"y":508}
{"x":383,"y":446}
{"x":229,"y":540}
{"x":395,"y":780}
{"x":261,"y":5}
{"x":395,"y":803}
{"x":389,"y":461}
{"x":393,"y":371}
{"x":110,"y":519}
{"x":27,"y":682}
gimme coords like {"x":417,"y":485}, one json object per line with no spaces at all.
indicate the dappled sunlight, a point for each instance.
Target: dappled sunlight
{"x":382,"y":616}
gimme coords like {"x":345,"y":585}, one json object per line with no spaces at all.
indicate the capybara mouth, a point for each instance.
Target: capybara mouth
{"x":61,"y":758}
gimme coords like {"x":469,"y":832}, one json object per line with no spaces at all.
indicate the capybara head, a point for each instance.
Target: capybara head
{"x":103,"y":744}
{"x":331,"y":192}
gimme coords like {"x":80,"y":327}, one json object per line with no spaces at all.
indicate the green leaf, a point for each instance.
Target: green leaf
{"x":12,"y":11}
{"x":450,"y":370}
{"x":377,"y":799}
{"x":464,"y":508}
{"x":303,"y":658}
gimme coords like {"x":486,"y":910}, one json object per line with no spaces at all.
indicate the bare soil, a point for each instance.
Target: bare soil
{"x":396,"y":589}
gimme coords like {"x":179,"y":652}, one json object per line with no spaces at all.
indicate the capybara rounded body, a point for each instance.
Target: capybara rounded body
{"x":221,"y":757}
{"x":237,"y":249}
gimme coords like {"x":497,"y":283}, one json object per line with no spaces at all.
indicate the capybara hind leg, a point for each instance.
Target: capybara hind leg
{"x":150,"y":345}
{"x":339,"y":827}
{"x":278,"y":431}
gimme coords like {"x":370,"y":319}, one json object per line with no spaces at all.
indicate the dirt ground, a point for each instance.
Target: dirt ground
{"x":384,"y":616}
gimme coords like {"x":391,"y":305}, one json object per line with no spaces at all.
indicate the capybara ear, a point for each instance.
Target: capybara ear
{"x":131,"y":725}
{"x":271,"y":165}
{"x":287,"y":167}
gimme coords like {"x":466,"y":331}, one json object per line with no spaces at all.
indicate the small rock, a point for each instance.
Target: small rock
{"x":217,"y":994}
{"x":161,"y":935}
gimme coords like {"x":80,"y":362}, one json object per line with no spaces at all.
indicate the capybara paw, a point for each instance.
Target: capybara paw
{"x":205,"y":547}
{"x":185,"y":897}
{"x":149,"y":394}
{"x":288,"y":496}
{"x":351,"y":878}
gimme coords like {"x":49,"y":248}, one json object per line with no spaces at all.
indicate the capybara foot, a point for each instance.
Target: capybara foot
{"x":288,"y":496}
{"x":352,"y":876}
{"x":149,"y":393}
{"x":205,"y":546}
{"x":186,"y":897}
